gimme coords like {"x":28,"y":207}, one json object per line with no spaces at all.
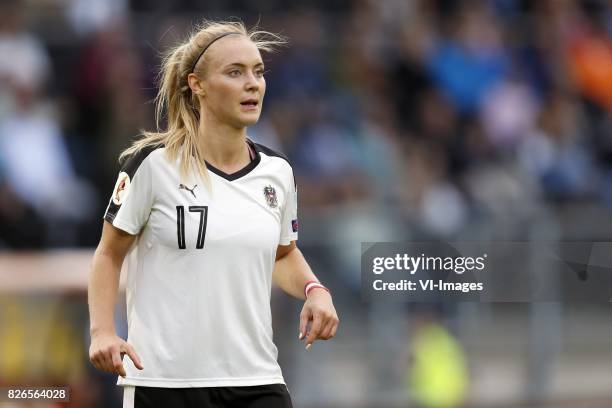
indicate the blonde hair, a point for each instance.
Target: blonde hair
{"x":179,"y":104}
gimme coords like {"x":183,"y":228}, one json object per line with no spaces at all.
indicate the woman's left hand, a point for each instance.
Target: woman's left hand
{"x":318,"y":320}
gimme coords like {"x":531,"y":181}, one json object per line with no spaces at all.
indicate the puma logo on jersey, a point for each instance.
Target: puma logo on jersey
{"x":184,"y":187}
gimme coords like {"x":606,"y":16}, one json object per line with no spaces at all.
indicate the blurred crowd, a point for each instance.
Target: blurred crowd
{"x":437,"y":114}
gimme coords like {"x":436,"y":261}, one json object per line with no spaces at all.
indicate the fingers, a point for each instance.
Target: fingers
{"x":330,"y":327}
{"x":315,"y":329}
{"x":327,"y":329}
{"x":117,"y":363}
{"x":108,"y":360}
{"x":102,"y":360}
{"x":97,"y":361}
{"x":106,"y":354}
{"x":304,"y":318}
{"x":129,"y":350}
{"x":335,"y":328}
{"x":321,"y":318}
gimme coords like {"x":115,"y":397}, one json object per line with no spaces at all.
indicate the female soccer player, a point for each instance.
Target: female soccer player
{"x":207,"y":220}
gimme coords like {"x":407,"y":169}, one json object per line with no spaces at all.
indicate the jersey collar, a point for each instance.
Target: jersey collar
{"x":242,"y":172}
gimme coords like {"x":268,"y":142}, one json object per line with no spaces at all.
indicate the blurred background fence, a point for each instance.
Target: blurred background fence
{"x":403,"y":119}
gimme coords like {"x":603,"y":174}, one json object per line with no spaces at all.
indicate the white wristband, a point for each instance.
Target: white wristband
{"x":312,"y":285}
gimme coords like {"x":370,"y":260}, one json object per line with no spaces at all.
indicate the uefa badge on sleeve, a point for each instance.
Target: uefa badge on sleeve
{"x":121,"y":188}
{"x":270,"y":195}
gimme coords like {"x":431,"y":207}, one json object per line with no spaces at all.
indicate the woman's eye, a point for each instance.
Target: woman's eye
{"x":259,"y":73}
{"x":234,"y":73}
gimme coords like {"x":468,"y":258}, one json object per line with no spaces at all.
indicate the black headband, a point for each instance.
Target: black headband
{"x":205,"y":48}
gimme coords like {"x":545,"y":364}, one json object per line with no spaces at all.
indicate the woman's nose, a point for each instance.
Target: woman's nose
{"x":251,"y":82}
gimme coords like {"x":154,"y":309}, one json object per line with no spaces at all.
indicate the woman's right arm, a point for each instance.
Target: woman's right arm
{"x":107,"y":349}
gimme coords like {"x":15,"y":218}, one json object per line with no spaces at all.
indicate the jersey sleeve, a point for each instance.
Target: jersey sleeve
{"x":289,"y":227}
{"x":130,"y":203}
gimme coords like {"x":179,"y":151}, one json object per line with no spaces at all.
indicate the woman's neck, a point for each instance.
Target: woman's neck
{"x":224,"y":146}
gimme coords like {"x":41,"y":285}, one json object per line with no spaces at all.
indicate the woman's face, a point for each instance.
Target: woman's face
{"x":233,"y":87}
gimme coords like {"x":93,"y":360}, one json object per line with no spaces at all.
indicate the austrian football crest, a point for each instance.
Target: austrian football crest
{"x":270,"y":195}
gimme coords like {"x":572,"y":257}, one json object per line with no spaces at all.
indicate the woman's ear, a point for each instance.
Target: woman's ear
{"x":195,"y":84}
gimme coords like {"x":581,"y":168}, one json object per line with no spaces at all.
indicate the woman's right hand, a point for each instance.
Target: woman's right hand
{"x":106,"y":352}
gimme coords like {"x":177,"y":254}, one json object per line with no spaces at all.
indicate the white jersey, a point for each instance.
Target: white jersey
{"x":199,"y":275}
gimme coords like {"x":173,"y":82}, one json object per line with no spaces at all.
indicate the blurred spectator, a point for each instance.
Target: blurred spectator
{"x":508,"y":113}
{"x":90,"y":16}
{"x":472,"y":59}
{"x":589,"y":54}
{"x":557,"y":154}
{"x":438,"y":377}
{"x":25,"y":65}
{"x":37,"y":177}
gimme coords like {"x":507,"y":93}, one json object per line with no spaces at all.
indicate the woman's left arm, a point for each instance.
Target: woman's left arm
{"x":318,"y":319}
